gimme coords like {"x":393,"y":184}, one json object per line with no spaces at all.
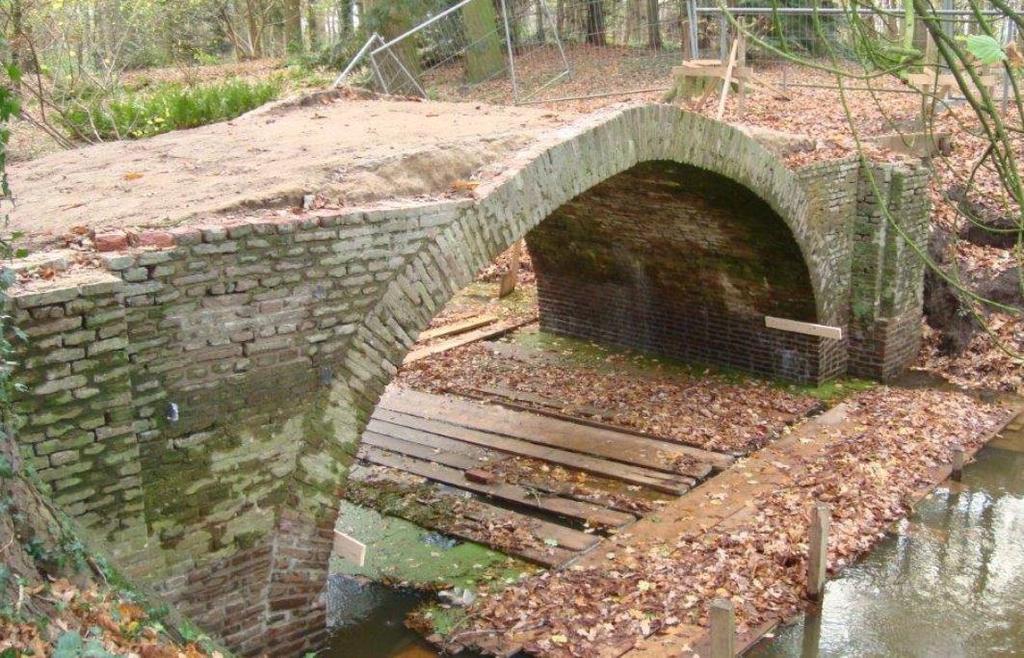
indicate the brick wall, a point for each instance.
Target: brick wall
{"x":682,"y":262}
{"x":893,"y":210}
{"x":78,"y":432}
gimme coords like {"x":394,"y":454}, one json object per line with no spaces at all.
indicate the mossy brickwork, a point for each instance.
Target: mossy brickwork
{"x":197,"y":405}
{"x":678,"y":261}
{"x":887,"y":291}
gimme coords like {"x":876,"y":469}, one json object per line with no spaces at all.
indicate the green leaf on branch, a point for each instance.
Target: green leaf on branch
{"x":985,"y":48}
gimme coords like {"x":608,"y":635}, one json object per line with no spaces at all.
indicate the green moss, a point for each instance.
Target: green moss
{"x":400,"y":552}
{"x":249,"y":539}
{"x":834,"y":391}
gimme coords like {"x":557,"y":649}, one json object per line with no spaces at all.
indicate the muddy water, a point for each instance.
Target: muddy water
{"x":372,"y":623}
{"x":949,"y":582}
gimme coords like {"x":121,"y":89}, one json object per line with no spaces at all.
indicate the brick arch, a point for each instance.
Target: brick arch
{"x":181,"y":353}
{"x":545,"y":177}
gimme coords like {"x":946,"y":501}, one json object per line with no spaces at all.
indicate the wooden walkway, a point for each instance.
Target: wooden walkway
{"x":567,"y":483}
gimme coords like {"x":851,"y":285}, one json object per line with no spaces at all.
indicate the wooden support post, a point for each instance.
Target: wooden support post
{"x":511,"y":277}
{"x":958,"y":463}
{"x":723,"y":629}
{"x":741,"y":83}
{"x":817,"y":553}
{"x":728,"y":80}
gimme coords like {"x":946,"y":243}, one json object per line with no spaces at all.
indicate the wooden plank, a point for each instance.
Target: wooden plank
{"x":592,"y":422}
{"x":349,"y":548}
{"x":412,"y":428}
{"x":569,"y":540}
{"x":507,"y":284}
{"x":421,"y":451}
{"x":809,"y":328}
{"x":457,"y":327}
{"x":593,"y":514}
{"x":481,"y":452}
{"x":480,"y":334}
{"x":474,"y":471}
{"x":539,"y":400}
{"x":611,"y":444}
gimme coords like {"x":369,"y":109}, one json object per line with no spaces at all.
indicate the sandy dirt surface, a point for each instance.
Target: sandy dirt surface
{"x":353,"y":151}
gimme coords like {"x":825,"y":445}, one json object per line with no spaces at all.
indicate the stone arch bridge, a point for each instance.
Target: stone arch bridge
{"x":195,"y":404}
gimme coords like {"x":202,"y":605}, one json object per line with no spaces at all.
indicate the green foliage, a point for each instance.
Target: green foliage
{"x":72,"y":645}
{"x":985,"y":48}
{"x":169,"y":107}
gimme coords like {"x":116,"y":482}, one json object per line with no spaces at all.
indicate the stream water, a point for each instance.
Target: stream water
{"x":948,"y":582}
{"x":373,"y":622}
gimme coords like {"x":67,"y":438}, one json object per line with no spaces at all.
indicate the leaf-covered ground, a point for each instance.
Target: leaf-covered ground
{"x":695,"y":407}
{"x":877,"y":462}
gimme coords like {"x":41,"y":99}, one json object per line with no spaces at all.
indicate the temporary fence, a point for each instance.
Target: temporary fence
{"x":525,"y":51}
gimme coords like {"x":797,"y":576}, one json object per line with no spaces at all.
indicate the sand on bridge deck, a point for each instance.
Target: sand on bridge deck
{"x":353,"y":151}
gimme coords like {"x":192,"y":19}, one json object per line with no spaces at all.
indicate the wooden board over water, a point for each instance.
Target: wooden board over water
{"x":550,"y":475}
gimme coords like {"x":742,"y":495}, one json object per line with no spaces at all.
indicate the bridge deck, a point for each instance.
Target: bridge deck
{"x":353,"y":151}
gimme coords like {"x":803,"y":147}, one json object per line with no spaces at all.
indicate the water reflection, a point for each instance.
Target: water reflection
{"x":949,"y":583}
{"x":367,"y":621}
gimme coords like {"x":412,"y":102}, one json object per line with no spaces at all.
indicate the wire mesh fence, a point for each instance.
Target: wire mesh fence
{"x":538,"y":50}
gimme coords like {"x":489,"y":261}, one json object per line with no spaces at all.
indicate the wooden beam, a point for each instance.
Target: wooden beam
{"x":411,"y":428}
{"x":593,"y":514}
{"x":509,"y":279}
{"x":349,"y":548}
{"x":728,"y":81}
{"x":457,"y":327}
{"x":958,"y":463}
{"x":809,"y":328}
{"x":723,"y":629}
{"x":493,"y":331}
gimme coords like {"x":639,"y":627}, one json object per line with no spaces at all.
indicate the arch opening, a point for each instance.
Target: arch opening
{"x":675,"y":260}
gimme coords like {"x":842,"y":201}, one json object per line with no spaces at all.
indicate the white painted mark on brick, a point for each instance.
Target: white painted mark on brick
{"x":809,"y":328}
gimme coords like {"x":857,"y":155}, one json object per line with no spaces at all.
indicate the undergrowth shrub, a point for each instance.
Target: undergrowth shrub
{"x":125,"y":114}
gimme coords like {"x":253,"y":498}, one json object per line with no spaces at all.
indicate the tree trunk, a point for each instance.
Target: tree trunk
{"x":632,"y":24}
{"x":345,"y":18}
{"x":293,"y":26}
{"x":653,"y":25}
{"x":312,"y":26}
{"x":595,"y":23}
{"x":252,"y":21}
{"x":540,"y":22}
{"x":484,"y":57}
{"x":389,"y":21}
